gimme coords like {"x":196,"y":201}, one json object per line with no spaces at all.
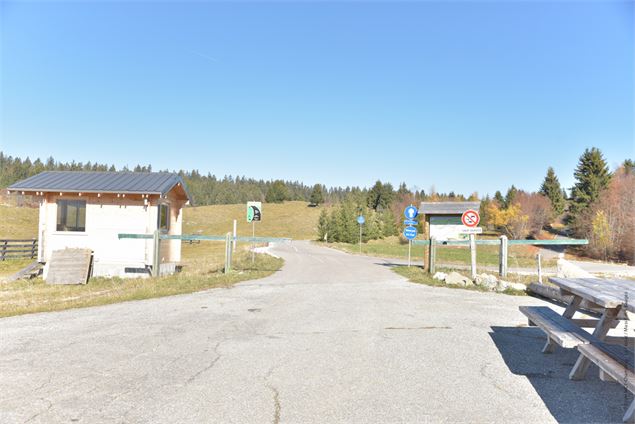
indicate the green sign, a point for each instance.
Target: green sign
{"x":254,"y":211}
{"x":446,"y":220}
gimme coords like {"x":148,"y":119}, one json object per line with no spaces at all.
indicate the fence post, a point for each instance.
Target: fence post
{"x":502,"y":260}
{"x":538,"y":258}
{"x":228,"y":253}
{"x":4,"y":250}
{"x":156,"y":253}
{"x":33,"y":248}
{"x":432,"y":253}
{"x":473,"y":256}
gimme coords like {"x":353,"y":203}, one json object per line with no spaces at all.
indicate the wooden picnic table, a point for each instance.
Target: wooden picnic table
{"x":612,"y":296}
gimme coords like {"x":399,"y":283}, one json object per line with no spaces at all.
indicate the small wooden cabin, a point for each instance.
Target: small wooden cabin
{"x":443,"y":219}
{"x":89,"y":210}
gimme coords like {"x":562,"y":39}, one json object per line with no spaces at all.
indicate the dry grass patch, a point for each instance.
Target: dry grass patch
{"x":18,"y":222}
{"x":29,"y":296}
{"x":295,"y":220}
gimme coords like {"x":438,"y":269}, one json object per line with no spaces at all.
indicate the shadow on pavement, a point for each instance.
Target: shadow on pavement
{"x":394,"y":264}
{"x":586,"y":401}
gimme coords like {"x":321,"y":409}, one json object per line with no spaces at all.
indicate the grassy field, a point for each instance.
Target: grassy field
{"x":418,"y":275}
{"x":290,"y":219}
{"x":29,"y":296}
{"x":18,"y":223}
{"x":391,"y":247}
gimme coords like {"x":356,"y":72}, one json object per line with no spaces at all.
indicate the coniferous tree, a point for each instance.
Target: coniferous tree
{"x":277,"y":192}
{"x":592,"y":177}
{"x":551,"y":189}
{"x":389,"y":224}
{"x":403,"y":189}
{"x":323,"y":225}
{"x":380,"y":196}
{"x":498,"y":196}
{"x":510,"y":197}
{"x":317,"y":196}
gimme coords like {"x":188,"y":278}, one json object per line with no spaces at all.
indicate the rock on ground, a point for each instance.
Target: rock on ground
{"x":487,"y":281}
{"x":456,"y":279}
{"x":440,"y":276}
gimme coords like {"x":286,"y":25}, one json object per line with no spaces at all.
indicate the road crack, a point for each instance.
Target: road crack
{"x":277,"y":406}
{"x":207,"y":367}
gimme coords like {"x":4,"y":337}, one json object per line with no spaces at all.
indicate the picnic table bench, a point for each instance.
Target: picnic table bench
{"x":616,"y":362}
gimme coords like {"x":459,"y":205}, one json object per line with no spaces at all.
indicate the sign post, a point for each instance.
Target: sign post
{"x":360,"y":220}
{"x":470,"y":220}
{"x":254,"y":213}
{"x":410,"y":232}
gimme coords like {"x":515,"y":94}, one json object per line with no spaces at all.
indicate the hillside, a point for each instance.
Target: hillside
{"x":290,"y":219}
{"x":17,"y":222}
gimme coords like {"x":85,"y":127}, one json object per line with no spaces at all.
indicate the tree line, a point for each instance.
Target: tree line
{"x":600,"y":207}
{"x":208,"y":189}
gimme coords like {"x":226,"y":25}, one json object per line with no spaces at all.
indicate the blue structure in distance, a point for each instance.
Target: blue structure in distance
{"x":410,"y":232}
{"x":410,"y":212}
{"x":361,"y":220}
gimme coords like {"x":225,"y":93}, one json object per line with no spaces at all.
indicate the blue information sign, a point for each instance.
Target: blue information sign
{"x":410,"y":232}
{"x":409,"y":222}
{"x":410,"y":212}
{"x":361,"y":220}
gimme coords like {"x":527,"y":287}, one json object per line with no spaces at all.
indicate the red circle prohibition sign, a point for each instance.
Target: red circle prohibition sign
{"x":470,"y":218}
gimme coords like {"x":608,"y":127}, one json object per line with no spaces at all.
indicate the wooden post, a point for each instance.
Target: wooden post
{"x":473,"y":256}
{"x":228,"y":253}
{"x":538,"y":258}
{"x":33,"y":248}
{"x":156,"y":253}
{"x":502,"y":260}
{"x":432,"y":253}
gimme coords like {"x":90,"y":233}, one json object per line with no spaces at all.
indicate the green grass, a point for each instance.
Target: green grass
{"x":418,"y":275}
{"x":29,"y":296}
{"x":391,"y":247}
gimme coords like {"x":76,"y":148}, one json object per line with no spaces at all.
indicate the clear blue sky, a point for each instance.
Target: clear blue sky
{"x":461,"y":95}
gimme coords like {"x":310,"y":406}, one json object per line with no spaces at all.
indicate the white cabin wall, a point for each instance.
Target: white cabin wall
{"x":106,"y":217}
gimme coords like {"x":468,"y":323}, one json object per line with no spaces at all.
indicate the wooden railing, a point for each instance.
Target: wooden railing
{"x":22,"y":248}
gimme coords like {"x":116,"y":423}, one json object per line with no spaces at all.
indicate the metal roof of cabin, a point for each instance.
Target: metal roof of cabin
{"x":101,"y":182}
{"x":447,"y":208}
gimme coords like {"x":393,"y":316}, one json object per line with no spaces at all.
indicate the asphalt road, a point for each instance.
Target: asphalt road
{"x":331,"y":338}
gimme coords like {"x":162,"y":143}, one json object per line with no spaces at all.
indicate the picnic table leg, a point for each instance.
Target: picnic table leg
{"x":572,"y":307}
{"x":604,"y":325}
{"x":629,"y":416}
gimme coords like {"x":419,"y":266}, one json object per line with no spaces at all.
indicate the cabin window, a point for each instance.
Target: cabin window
{"x":71,"y":215}
{"x":164,"y":217}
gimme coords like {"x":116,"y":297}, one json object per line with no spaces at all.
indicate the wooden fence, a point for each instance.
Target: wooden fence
{"x":503,"y":242}
{"x":22,"y":248}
